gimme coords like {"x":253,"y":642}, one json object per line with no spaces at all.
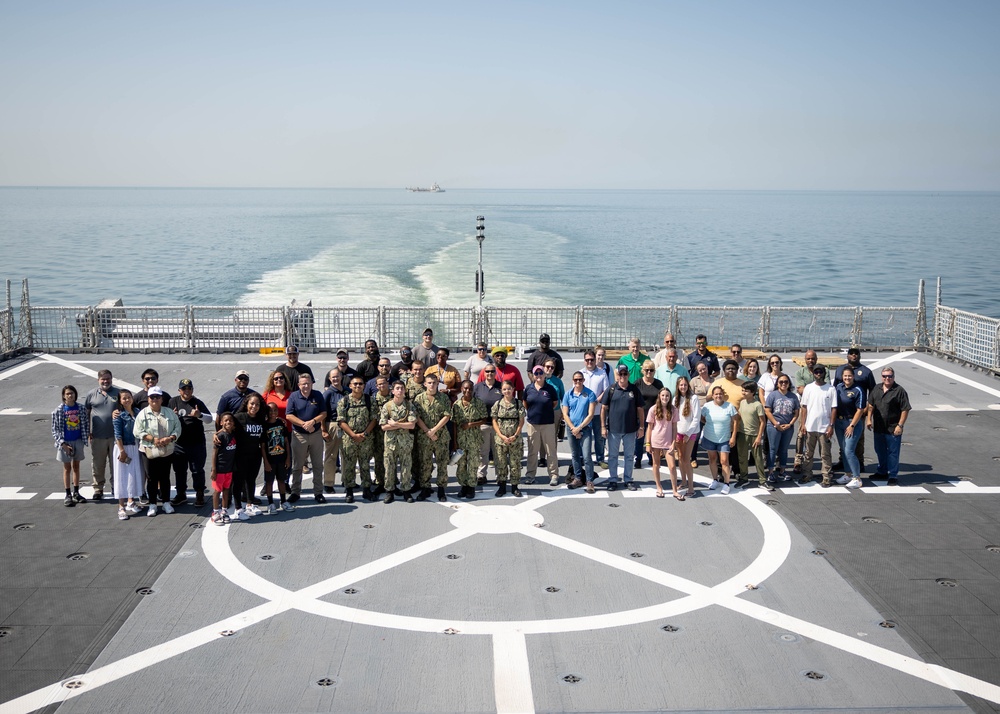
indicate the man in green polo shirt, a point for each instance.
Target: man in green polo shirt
{"x":633,"y":360}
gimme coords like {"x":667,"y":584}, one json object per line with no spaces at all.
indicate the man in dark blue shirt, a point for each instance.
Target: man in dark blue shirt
{"x":622,"y":423}
{"x":306,"y":412}
{"x":232,"y":400}
{"x":540,"y":403}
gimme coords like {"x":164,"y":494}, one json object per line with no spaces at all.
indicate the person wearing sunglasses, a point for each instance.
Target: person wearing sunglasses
{"x":578,"y":408}
{"x":596,"y":380}
{"x":863,"y":380}
{"x":669,"y":343}
{"x":781,"y":411}
{"x":888,"y":410}
{"x":477,"y":362}
{"x":232,"y":400}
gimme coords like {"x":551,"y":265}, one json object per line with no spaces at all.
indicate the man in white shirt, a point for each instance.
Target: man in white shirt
{"x":818,"y":415}
{"x":596,"y":380}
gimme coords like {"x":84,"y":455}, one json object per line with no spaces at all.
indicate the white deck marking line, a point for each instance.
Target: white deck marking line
{"x":139,"y":661}
{"x":77,"y":367}
{"x":967,"y":487}
{"x":12,"y":493}
{"x":932,"y":673}
{"x":772,"y":524}
{"x":884,"y":489}
{"x":18,"y":369}
{"x":901,"y":357}
{"x":14,"y":411}
{"x":512,"y":674}
{"x":957,"y":377}
{"x":950,"y":408}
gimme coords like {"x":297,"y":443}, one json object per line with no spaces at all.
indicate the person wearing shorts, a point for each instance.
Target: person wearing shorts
{"x":223,"y":464}
{"x":719,"y":435}
{"x":70,"y":432}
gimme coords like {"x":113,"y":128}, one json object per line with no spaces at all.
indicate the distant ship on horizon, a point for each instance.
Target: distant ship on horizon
{"x":433,"y":189}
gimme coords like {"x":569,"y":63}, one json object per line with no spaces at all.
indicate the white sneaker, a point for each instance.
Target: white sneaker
{"x":217,"y":517}
{"x":152,"y":510}
{"x":711,"y":486}
{"x":455,"y":457}
{"x":243,"y":515}
{"x":271,"y":509}
{"x":252,"y":510}
{"x":843,"y":479}
{"x":132,"y":508}
{"x":854,"y":483}
{"x":167,"y":508}
{"x":554,"y":482}
{"x":725,"y":489}
{"x":286,"y":506}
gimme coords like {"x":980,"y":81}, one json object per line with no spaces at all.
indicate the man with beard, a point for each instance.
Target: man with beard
{"x":368,"y":367}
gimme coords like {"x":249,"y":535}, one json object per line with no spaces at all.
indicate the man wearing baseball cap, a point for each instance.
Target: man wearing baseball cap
{"x":506,"y":372}
{"x":538,"y":357}
{"x":189,"y":451}
{"x":232,"y":400}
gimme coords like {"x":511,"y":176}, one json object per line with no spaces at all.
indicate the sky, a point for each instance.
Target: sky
{"x":700,"y":94}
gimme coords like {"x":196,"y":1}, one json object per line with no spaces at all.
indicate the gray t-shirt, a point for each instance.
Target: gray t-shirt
{"x":100,"y":407}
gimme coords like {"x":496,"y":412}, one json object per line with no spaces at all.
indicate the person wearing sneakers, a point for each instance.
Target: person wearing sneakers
{"x":251,"y":420}
{"x":128,"y":473}
{"x":718,"y":438}
{"x":157,"y":430}
{"x":817,"y":416}
{"x":277,"y":458}
{"x":223,"y":463}
{"x":851,"y":409}
{"x":70,"y":431}
{"x":578,"y":407}
{"x":622,"y":424}
{"x":541,"y":402}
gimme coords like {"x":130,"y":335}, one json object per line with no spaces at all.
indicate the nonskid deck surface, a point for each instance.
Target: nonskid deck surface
{"x":804,"y":599}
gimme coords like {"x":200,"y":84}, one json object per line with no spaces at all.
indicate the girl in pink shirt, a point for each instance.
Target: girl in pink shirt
{"x":660,"y":437}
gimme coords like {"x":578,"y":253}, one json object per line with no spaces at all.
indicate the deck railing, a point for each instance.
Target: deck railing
{"x":964,"y":336}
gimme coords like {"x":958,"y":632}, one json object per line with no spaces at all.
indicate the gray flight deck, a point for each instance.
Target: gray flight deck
{"x":556,"y":602}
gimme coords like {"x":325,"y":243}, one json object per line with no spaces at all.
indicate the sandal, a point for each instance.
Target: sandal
{"x":659,"y":494}
{"x":679,"y":496}
{"x":122,"y":515}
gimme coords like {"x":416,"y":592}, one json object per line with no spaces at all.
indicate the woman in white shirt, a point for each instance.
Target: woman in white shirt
{"x":688,"y":408}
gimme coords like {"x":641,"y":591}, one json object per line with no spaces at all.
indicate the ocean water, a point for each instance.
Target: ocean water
{"x":367,"y":247}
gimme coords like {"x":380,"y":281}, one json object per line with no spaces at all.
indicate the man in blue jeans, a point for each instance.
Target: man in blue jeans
{"x":622,"y":421}
{"x":889,"y":408}
{"x":578,"y":405}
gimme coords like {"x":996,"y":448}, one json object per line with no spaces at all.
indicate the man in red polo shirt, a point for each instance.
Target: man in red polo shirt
{"x":506,"y":371}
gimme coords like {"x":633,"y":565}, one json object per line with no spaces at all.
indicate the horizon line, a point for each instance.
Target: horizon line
{"x":484,"y":188}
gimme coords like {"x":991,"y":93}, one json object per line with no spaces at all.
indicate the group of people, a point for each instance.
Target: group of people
{"x":416,"y":417}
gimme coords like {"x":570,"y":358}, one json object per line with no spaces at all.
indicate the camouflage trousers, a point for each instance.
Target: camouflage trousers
{"x":355,"y":457}
{"x":378,"y":453}
{"x":470,"y":441}
{"x":403,"y":458}
{"x":436,"y":451}
{"x":507,"y":460}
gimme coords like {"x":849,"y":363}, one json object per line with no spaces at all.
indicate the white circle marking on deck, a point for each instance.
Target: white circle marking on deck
{"x":774,"y":550}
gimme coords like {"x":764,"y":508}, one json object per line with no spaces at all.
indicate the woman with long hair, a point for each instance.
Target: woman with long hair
{"x":661,"y":438}
{"x":688,"y":409}
{"x":128,"y":473}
